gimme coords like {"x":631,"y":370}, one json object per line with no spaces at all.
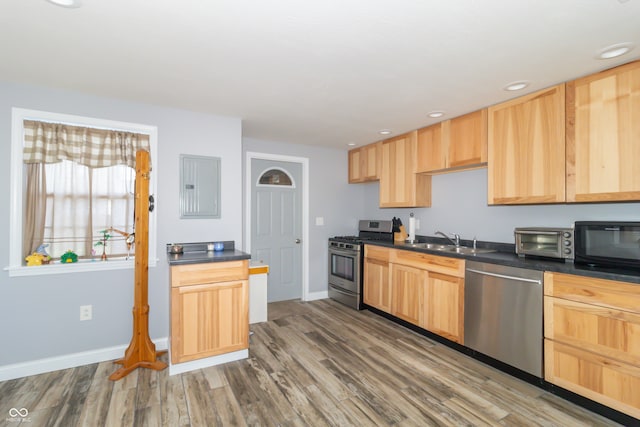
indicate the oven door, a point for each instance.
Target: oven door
{"x":344,"y":269}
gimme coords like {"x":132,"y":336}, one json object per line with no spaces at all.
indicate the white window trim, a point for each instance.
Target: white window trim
{"x":16,"y":268}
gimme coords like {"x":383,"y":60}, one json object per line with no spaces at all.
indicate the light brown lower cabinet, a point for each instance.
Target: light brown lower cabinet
{"x":592,"y":339}
{"x":209,"y":309}
{"x":423,"y":289}
{"x":377,"y":291}
{"x":444,"y":306}
{"x":407,"y":292}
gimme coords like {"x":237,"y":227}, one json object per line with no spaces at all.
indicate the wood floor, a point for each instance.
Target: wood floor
{"x":311,"y":364}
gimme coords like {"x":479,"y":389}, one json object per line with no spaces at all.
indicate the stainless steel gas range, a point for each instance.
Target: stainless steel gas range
{"x":346,"y":256}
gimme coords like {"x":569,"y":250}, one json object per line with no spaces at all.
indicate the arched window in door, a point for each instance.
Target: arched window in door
{"x":276,"y":177}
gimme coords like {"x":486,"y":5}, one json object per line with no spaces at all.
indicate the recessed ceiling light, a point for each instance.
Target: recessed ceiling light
{"x":519,"y":85}
{"x":385,"y":132}
{"x":66,"y":3}
{"x":351,"y":144}
{"x":436,"y":114}
{"x":614,"y":50}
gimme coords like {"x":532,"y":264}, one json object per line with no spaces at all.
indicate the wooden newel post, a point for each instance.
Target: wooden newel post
{"x":141,"y":352}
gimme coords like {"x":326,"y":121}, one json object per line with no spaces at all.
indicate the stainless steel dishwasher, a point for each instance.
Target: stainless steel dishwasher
{"x":503,"y":314}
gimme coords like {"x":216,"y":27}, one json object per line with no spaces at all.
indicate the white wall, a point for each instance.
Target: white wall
{"x":330,"y":197}
{"x":40,"y":315}
{"x":459,"y":205}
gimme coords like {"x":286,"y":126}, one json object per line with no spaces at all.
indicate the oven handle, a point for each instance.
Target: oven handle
{"x":341,"y":252}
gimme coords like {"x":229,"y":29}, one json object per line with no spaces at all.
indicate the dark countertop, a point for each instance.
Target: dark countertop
{"x":197,"y":253}
{"x":506,"y":256}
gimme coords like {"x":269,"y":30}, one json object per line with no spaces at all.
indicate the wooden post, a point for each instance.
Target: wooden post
{"x":141,"y":352}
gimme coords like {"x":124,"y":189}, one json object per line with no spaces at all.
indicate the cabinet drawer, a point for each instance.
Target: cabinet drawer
{"x":195,"y":274}
{"x":438,"y":264}
{"x":377,"y":252}
{"x":607,"y":331}
{"x":596,"y":377}
{"x":589,"y":290}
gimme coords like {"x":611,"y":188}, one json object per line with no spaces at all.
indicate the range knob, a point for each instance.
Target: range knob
{"x":567,"y":251}
{"x":567,"y":242}
{"x":567,"y":234}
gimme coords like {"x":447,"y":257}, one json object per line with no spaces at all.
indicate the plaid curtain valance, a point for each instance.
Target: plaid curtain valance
{"x":46,"y":142}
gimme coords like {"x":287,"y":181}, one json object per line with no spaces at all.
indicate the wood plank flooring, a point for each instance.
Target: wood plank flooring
{"x":311,"y":364}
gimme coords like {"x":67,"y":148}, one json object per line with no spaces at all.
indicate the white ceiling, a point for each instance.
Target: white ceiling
{"x":312,"y":72}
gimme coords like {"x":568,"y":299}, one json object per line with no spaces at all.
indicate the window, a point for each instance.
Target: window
{"x":75,"y":192}
{"x":277,"y":177}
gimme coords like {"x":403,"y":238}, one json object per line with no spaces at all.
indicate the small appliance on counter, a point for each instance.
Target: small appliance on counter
{"x":608,"y":243}
{"x":545,"y":242}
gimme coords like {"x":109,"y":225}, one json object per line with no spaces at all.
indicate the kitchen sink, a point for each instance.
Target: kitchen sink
{"x":432,"y":246}
{"x":464,"y":250}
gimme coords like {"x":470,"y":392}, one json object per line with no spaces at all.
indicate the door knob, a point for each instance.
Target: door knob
{"x":297,"y":241}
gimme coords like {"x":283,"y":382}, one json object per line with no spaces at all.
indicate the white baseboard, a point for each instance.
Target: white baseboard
{"x":40,"y":366}
{"x":312,"y":296}
{"x":180,"y":368}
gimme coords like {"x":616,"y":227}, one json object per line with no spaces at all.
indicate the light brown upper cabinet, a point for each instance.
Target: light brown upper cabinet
{"x":364,"y":163}
{"x":453,"y":145}
{"x":400,"y":186}
{"x":526,"y":149}
{"x":603,"y":136}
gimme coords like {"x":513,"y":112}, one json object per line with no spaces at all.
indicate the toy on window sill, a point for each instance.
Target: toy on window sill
{"x":37,"y":259}
{"x":103,"y":242}
{"x":69,"y":257}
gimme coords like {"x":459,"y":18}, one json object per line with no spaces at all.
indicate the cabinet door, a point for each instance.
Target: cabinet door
{"x":370,"y":164}
{"x":608,"y":381}
{"x":355,"y":171}
{"x":399,"y":184}
{"x":377,"y":292}
{"x":526,"y":151}
{"x":431,"y":152}
{"x":603,"y":136}
{"x":603,"y":330}
{"x":209,"y":319}
{"x":444,"y":306}
{"x":467,"y":140}
{"x":407,"y":291}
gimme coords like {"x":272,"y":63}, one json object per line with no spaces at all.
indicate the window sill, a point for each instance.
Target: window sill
{"x":76,"y":267}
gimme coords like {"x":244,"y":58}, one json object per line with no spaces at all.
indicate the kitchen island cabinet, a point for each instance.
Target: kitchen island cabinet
{"x":526,"y":149}
{"x":400,"y":186}
{"x":209,"y":309}
{"x":603,"y":134}
{"x":592,"y":339}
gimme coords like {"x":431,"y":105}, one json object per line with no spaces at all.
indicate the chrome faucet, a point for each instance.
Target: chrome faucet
{"x":455,"y":236}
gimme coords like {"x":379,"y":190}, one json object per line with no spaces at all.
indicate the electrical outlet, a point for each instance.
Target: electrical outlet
{"x":86,"y":312}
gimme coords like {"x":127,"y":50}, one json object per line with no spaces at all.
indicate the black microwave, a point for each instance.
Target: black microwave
{"x":607,"y":244}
